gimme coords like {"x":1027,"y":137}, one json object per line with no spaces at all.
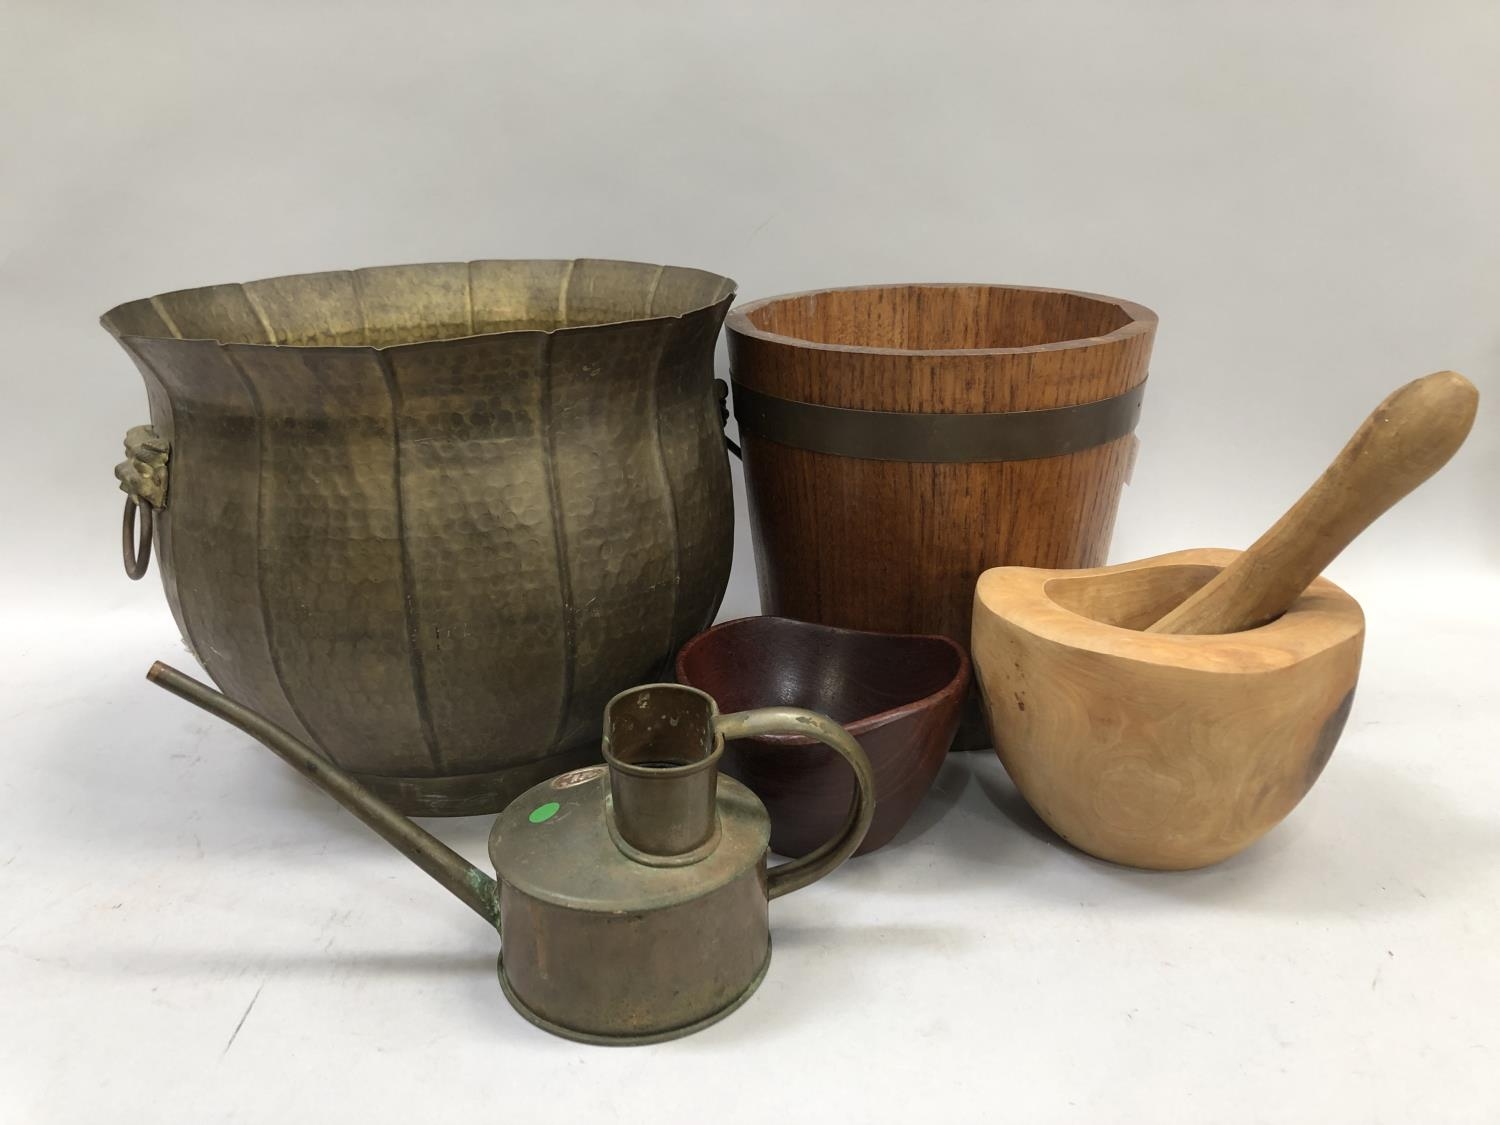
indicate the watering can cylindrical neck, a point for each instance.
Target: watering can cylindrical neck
{"x":663,"y":755}
{"x":471,"y":885}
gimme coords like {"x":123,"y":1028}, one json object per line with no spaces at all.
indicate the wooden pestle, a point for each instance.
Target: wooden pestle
{"x":1410,"y":436}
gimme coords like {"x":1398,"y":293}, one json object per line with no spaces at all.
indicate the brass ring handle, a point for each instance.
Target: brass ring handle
{"x":143,"y":479}
{"x":137,"y":556}
{"x":810,"y":868}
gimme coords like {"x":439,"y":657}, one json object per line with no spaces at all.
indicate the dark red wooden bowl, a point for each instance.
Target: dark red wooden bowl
{"x":900,"y":696}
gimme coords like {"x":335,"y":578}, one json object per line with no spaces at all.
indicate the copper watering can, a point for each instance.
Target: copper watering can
{"x":632,"y":896}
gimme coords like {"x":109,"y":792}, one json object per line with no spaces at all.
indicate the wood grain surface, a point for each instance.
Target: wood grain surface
{"x":896,"y":546}
{"x":899,"y":696}
{"x":1410,"y":436}
{"x":1157,"y":750}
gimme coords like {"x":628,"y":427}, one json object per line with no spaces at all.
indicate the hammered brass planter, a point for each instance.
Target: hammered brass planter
{"x":431,"y":518}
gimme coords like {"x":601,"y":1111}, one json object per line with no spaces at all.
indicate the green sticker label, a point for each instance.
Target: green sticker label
{"x":544,"y":812}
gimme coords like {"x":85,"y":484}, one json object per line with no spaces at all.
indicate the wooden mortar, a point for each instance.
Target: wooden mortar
{"x":1159,"y":750}
{"x":1166,"y":713}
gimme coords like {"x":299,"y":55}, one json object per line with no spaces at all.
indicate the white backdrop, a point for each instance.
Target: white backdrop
{"x":1306,"y":192}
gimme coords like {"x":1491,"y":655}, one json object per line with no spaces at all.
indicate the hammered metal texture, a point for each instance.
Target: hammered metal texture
{"x":431,"y":518}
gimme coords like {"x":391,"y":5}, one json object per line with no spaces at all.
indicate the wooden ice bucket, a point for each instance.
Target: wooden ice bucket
{"x":900,"y":440}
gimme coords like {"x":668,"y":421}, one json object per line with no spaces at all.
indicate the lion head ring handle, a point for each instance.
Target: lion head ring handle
{"x":143,"y":479}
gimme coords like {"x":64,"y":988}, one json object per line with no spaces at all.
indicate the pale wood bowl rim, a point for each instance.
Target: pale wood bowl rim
{"x":1323,"y":617}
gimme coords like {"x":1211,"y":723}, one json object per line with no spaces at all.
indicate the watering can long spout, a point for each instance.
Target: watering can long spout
{"x":471,"y":885}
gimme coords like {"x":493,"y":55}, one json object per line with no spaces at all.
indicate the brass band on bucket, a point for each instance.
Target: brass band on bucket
{"x":885,"y":435}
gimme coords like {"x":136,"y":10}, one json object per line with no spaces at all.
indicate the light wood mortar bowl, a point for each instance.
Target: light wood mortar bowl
{"x":1153,"y":749}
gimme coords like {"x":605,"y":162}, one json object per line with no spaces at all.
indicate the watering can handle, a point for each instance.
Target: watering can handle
{"x":810,"y":868}
{"x":143,"y":480}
